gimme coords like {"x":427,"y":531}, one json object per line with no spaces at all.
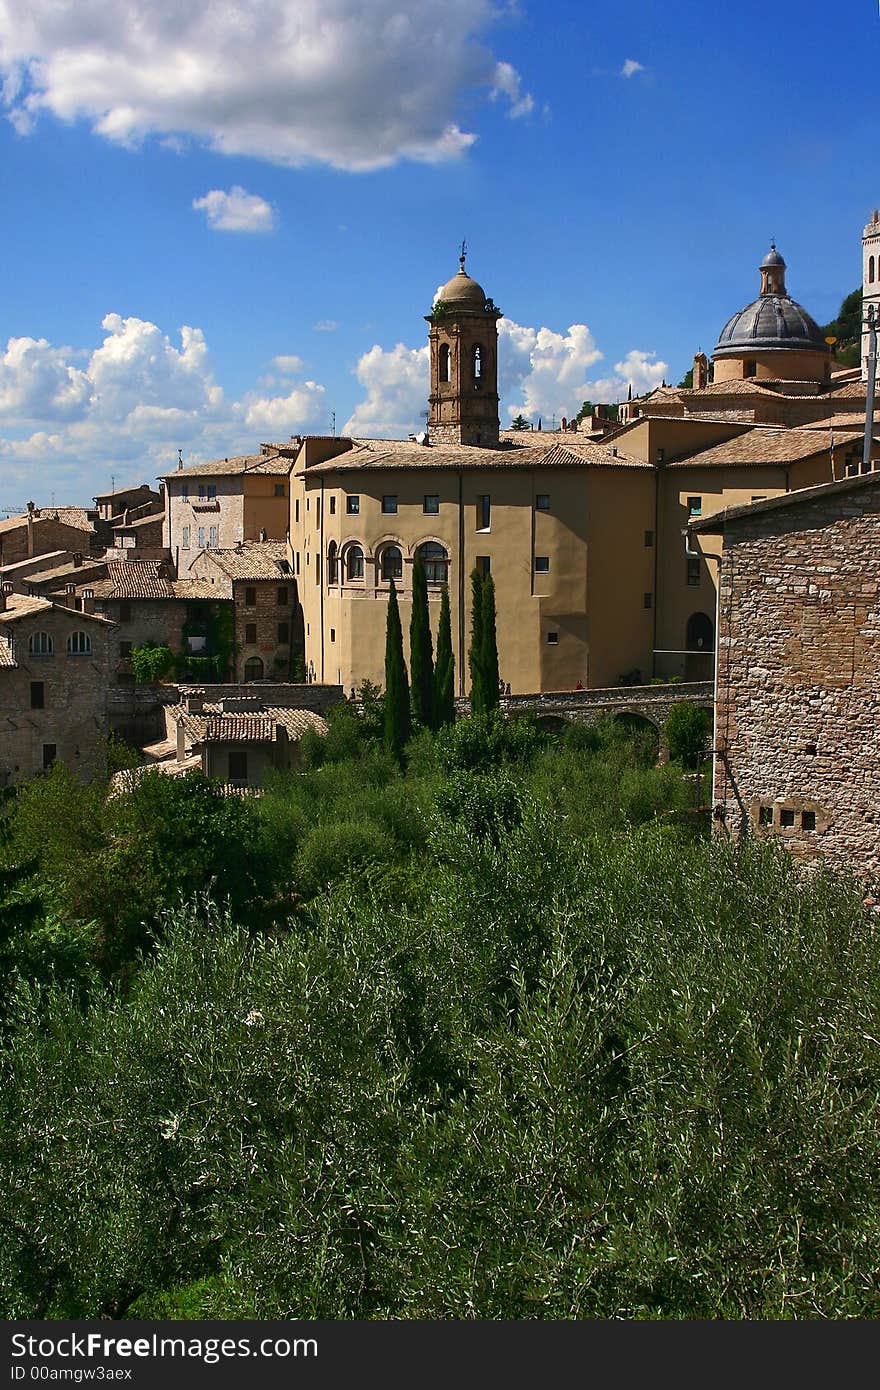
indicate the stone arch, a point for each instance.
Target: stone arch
{"x":700,"y":635}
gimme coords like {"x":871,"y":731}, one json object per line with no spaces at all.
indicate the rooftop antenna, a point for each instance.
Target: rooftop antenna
{"x":180,"y":458}
{"x":112,"y":483}
{"x":461,"y":256}
{"x":333,"y":423}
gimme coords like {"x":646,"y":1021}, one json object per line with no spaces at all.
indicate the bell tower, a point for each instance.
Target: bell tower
{"x":463,"y":337}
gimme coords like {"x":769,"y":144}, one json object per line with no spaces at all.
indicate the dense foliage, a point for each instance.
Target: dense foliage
{"x":502,"y":1037}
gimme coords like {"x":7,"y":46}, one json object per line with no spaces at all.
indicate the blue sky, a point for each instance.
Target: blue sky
{"x":221,"y":229}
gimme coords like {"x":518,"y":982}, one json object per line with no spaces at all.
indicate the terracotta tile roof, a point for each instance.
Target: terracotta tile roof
{"x":120,"y":525}
{"x":750,"y":387}
{"x":799,"y":497}
{"x":7,"y":657}
{"x":251,"y":560}
{"x":214,"y":724}
{"x":234,"y":467}
{"x":851,"y":420}
{"x":76,"y":517}
{"x":89,"y":569}
{"x":383,"y":454}
{"x":763,"y":446}
{"x":853,"y":390}
{"x":24,"y":606}
{"x":134,"y":579}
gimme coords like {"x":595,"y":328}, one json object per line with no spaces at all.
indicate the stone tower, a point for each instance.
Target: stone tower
{"x":464,"y":364}
{"x":870,"y":279}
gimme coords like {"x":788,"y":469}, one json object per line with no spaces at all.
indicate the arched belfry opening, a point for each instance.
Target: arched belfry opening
{"x":463,"y":339}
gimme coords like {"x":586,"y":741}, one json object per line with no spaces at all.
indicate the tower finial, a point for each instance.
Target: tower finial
{"x":461,"y":256}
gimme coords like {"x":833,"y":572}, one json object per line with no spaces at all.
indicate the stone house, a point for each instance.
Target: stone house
{"x":55,"y":672}
{"x":240,"y":738}
{"x":257,"y":576}
{"x":797,"y":718}
{"x":147,"y":604}
{"x":44,"y":529}
{"x":218,"y":505}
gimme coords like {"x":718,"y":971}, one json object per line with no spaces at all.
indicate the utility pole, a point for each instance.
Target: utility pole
{"x":869,"y":399}
{"x":333,"y":423}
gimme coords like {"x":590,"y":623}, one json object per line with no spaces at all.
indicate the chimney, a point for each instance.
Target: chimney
{"x":701,"y":371}
{"x":77,"y":559}
{"x":6,"y":590}
{"x":69,"y":593}
{"x":194,"y":701}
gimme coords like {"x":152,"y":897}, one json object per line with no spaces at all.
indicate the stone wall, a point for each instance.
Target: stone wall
{"x":798,"y":695}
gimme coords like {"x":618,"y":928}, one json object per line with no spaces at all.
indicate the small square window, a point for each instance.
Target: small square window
{"x":765,"y":815}
{"x":808,"y":820}
{"x":648,"y":601}
{"x":483,"y":565}
{"x":250,"y":634}
{"x":352,"y":505}
{"x":238,"y":767}
{"x":553,"y":639}
{"x":212,"y":492}
{"x":542,"y":502}
{"x":389,"y":503}
{"x":125,"y":611}
{"x":201,"y":492}
{"x":279,"y":489}
{"x":250,"y":598}
{"x":431,"y":505}
{"x":283,"y":634}
{"x":185,"y":492}
{"x":125,"y":650}
{"x":332,"y":506}
{"x":693,"y":572}
{"x":786,"y":819}
{"x":50,"y":753}
{"x":38,"y":695}
{"x":542,"y":564}
{"x":649,"y":539}
{"x":695,"y":506}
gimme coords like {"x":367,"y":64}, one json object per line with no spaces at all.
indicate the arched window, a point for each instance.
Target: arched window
{"x":392,"y":563}
{"x":253,"y":669}
{"x":443,"y":362}
{"x":79,"y":644}
{"x":354,"y":563}
{"x":40,"y":644}
{"x":332,"y":563}
{"x":478,"y":365}
{"x":436,"y":560}
{"x":871,"y":270}
{"x":700,"y":633}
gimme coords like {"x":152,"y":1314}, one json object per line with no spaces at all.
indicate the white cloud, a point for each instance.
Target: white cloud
{"x":506,"y":81}
{"x":541,"y":373}
{"x":352,"y":85}
{"x":631,"y":67}
{"x":397,"y":384}
{"x":325,"y":326}
{"x":236,"y":210}
{"x":128,"y":404}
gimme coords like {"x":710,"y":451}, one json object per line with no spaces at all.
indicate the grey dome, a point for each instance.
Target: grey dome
{"x":773,"y":258}
{"x":773,"y":321}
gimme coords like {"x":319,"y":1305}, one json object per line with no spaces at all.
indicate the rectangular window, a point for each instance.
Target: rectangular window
{"x":484,"y":511}
{"x":333,"y":634}
{"x":283,"y":634}
{"x":317,"y":569}
{"x":765,"y":815}
{"x":213,"y":536}
{"x":352,"y":505}
{"x":50,"y":753}
{"x":389,"y":503}
{"x":483,"y":565}
{"x":648,"y":601}
{"x":283,"y":598}
{"x":125,"y":650}
{"x":184,"y":541}
{"x":661,"y":455}
{"x":542,"y":502}
{"x":279,"y":489}
{"x":431,"y":504}
{"x":125,"y":611}
{"x":185,"y":492}
{"x":693,"y":571}
{"x":238,"y":766}
{"x":201,"y":538}
{"x":297,"y":562}
{"x":296,"y":511}
{"x":250,"y":598}
{"x":250,"y":634}
{"x":553,"y":639}
{"x":649,"y":539}
{"x":786,"y":819}
{"x":212,"y":492}
{"x":542,"y":564}
{"x":38,"y":695}
{"x":695,"y":506}
{"x":808,"y":820}
{"x":332,"y":506}
{"x":317,"y":511}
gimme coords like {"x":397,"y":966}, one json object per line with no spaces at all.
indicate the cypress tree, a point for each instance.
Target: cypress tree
{"x":421,"y":655}
{"x":475,"y":654}
{"x":397,"y":726}
{"x":489,"y":654}
{"x":444,"y":676}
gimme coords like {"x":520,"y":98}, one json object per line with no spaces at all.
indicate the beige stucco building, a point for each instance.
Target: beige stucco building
{"x":219,"y":504}
{"x":596,"y":581}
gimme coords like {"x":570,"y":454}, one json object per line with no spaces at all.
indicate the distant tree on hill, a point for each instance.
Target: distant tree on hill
{"x":520,"y":423}
{"x":687,"y":380}
{"x":585,"y":410}
{"x":847,"y":329}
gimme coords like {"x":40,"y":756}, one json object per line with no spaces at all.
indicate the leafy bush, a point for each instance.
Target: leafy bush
{"x":686,"y":729}
{"x":484,"y":741}
{"x":329,"y":852}
{"x":151,"y":661}
{"x":487,"y":806}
